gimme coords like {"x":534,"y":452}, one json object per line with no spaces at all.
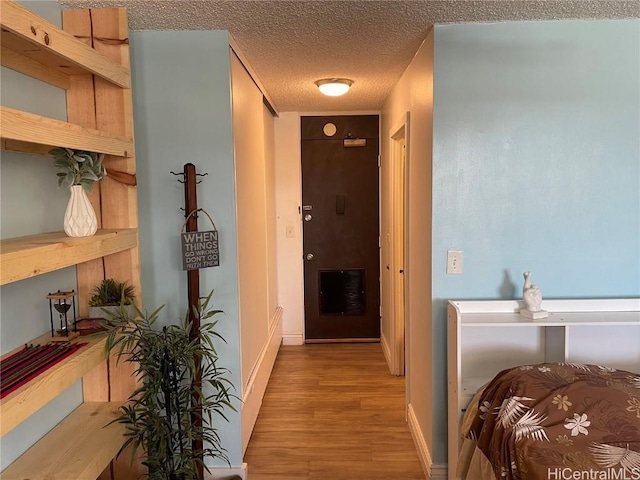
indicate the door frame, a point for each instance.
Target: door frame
{"x":399,"y":138}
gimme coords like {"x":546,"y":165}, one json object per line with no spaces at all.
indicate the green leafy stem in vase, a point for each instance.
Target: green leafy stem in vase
{"x":78,"y":167}
{"x":111,"y":293}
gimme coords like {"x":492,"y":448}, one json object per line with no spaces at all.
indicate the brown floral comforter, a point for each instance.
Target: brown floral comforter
{"x":554,"y":422}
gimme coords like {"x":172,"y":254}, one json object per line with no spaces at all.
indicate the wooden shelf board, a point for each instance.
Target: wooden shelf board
{"x":18,"y":126}
{"x":23,"y":147}
{"x":575,"y":305}
{"x":555,"y":319}
{"x":28,"y":66}
{"x":45,"y":45}
{"x":30,"y":397}
{"x":78,"y":448}
{"x":26,"y":257}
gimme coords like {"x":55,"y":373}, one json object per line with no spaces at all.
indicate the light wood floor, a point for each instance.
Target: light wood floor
{"x":332,"y":412}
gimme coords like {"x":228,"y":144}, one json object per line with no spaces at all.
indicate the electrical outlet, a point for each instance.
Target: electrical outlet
{"x":454,"y":262}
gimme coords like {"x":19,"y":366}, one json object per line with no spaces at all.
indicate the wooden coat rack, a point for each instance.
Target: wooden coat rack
{"x":193,"y":293}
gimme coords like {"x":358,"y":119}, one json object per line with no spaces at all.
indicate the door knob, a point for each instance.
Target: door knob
{"x":307,"y":217}
{"x":309,"y":256}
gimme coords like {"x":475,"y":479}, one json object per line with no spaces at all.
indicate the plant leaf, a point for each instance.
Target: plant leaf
{"x":609,"y":456}
{"x":511,"y":409}
{"x":528,"y":426}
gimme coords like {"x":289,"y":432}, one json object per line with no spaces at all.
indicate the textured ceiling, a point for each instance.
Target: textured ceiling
{"x":290,"y":44}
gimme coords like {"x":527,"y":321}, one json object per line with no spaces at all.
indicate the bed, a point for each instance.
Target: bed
{"x":553,"y":421}
{"x":485,"y":337}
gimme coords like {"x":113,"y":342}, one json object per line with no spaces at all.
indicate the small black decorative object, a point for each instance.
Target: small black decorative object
{"x":59,"y":301}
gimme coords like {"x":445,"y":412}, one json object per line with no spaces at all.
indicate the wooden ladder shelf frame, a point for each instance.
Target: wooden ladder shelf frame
{"x":89,"y":58}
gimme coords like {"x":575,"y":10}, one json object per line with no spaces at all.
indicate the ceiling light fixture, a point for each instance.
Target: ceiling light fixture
{"x":334,"y":87}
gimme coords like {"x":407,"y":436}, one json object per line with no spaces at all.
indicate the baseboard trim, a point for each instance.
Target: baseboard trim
{"x":420,"y":442}
{"x":257,"y":383}
{"x":222,"y":473}
{"x":439,"y":472}
{"x":387,"y":352}
{"x":292,"y":339}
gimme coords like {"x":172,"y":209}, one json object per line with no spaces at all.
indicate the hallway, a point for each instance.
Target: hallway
{"x":332,"y":412}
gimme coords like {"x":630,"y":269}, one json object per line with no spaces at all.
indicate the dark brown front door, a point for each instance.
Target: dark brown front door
{"x":340,"y":227}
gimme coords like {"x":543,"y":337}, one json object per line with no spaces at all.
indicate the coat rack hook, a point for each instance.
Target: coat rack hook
{"x":178,"y":174}
{"x":202,"y":174}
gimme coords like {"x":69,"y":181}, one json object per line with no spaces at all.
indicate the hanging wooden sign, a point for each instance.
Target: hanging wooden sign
{"x":200,"y":249}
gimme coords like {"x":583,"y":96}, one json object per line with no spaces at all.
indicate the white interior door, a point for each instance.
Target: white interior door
{"x":398,"y":250}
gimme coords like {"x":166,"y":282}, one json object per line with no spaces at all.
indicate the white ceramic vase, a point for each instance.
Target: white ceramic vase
{"x":79,"y":218}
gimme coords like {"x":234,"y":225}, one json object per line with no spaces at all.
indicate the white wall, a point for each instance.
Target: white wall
{"x":186,"y":111}
{"x":536,"y":166}
{"x":182,"y":113}
{"x":288,"y":181}
{"x":414,"y":94}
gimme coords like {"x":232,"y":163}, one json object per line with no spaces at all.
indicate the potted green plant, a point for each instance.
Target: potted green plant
{"x":107,"y":297}
{"x":77,"y":171}
{"x":158,"y":415}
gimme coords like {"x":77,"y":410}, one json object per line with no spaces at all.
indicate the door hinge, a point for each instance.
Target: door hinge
{"x":380,"y":311}
{"x":378,"y":160}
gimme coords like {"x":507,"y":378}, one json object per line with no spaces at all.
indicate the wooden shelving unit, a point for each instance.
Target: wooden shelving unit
{"x":78,"y":447}
{"x":89,"y":58}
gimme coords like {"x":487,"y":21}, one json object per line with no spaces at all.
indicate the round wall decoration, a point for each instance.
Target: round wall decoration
{"x":329,"y":129}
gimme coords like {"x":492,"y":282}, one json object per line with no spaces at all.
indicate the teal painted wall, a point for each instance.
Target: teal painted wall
{"x":536,"y":166}
{"x":31,"y":203}
{"x":182,"y":113}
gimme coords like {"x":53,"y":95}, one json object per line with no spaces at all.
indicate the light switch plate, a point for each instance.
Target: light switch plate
{"x":454,"y":262}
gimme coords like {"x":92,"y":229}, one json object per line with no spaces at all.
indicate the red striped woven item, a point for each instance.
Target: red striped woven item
{"x":31,"y":361}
